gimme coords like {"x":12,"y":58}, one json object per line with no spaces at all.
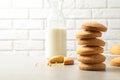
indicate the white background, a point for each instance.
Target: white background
{"x":22,"y":24}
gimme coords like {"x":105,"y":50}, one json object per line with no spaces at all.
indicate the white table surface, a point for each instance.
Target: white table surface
{"x":35,"y":68}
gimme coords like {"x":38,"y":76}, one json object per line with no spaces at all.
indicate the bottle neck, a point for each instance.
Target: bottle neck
{"x":56,"y":4}
{"x":56,"y":17}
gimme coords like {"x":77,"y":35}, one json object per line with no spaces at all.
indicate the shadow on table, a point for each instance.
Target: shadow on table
{"x":113,"y":69}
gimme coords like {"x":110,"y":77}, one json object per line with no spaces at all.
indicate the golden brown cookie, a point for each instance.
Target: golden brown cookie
{"x":86,"y":50}
{"x":94,"y":26}
{"x":92,"y":59}
{"x":115,"y":62}
{"x":91,"y":42}
{"x":92,"y":67}
{"x":68,"y":61}
{"x":56,"y":59}
{"x":115,"y":49}
{"x":84,"y":34}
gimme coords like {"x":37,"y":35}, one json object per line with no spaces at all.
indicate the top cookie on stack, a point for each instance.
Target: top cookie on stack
{"x":94,"y":26}
{"x":91,"y":30}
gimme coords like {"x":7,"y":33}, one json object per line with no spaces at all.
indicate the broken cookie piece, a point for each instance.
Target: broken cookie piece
{"x":56,"y":59}
{"x":68,"y":61}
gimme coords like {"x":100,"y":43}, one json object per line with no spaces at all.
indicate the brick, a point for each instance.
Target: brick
{"x":111,"y":35}
{"x":77,"y":13}
{"x":45,"y":24}
{"x":114,"y":24}
{"x":70,"y":24}
{"x":5,"y":53}
{"x":40,"y":53}
{"x":71,"y":34}
{"x":28,"y":24}
{"x":80,"y":22}
{"x":28,"y":45}
{"x":21,"y":53}
{"x":72,"y":54}
{"x":5,"y":4}
{"x":37,"y":34}
{"x":5,"y":45}
{"x":13,"y":13}
{"x":68,"y":4}
{"x":39,"y":13}
{"x":13,"y":53}
{"x":13,"y":34}
{"x":5,"y":24}
{"x":70,"y":45}
{"x":106,"y":13}
{"x":68,"y":13}
{"x":114,"y":3}
{"x":46,"y":4}
{"x":90,"y":3}
{"x":27,"y":3}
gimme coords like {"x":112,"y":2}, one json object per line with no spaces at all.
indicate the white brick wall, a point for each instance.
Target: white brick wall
{"x":38,"y":13}
{"x":5,"y":4}
{"x":27,"y":3}
{"x":77,"y":13}
{"x":13,"y":13}
{"x":106,"y":13}
{"x":91,"y":3}
{"x":5,"y":24}
{"x":28,"y":24}
{"x":33,"y":34}
{"x":28,"y":45}
{"x":114,"y":3}
{"x":5,"y":45}
{"x":114,"y":24}
{"x":68,"y":4}
{"x":23,"y":22}
{"x":13,"y":34}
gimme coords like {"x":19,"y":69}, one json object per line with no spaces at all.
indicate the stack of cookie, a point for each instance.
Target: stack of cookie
{"x":89,"y":54}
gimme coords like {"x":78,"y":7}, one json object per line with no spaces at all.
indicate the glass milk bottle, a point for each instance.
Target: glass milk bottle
{"x":56,"y":31}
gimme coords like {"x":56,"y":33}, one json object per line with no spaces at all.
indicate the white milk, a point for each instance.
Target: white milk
{"x":55,"y":42}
